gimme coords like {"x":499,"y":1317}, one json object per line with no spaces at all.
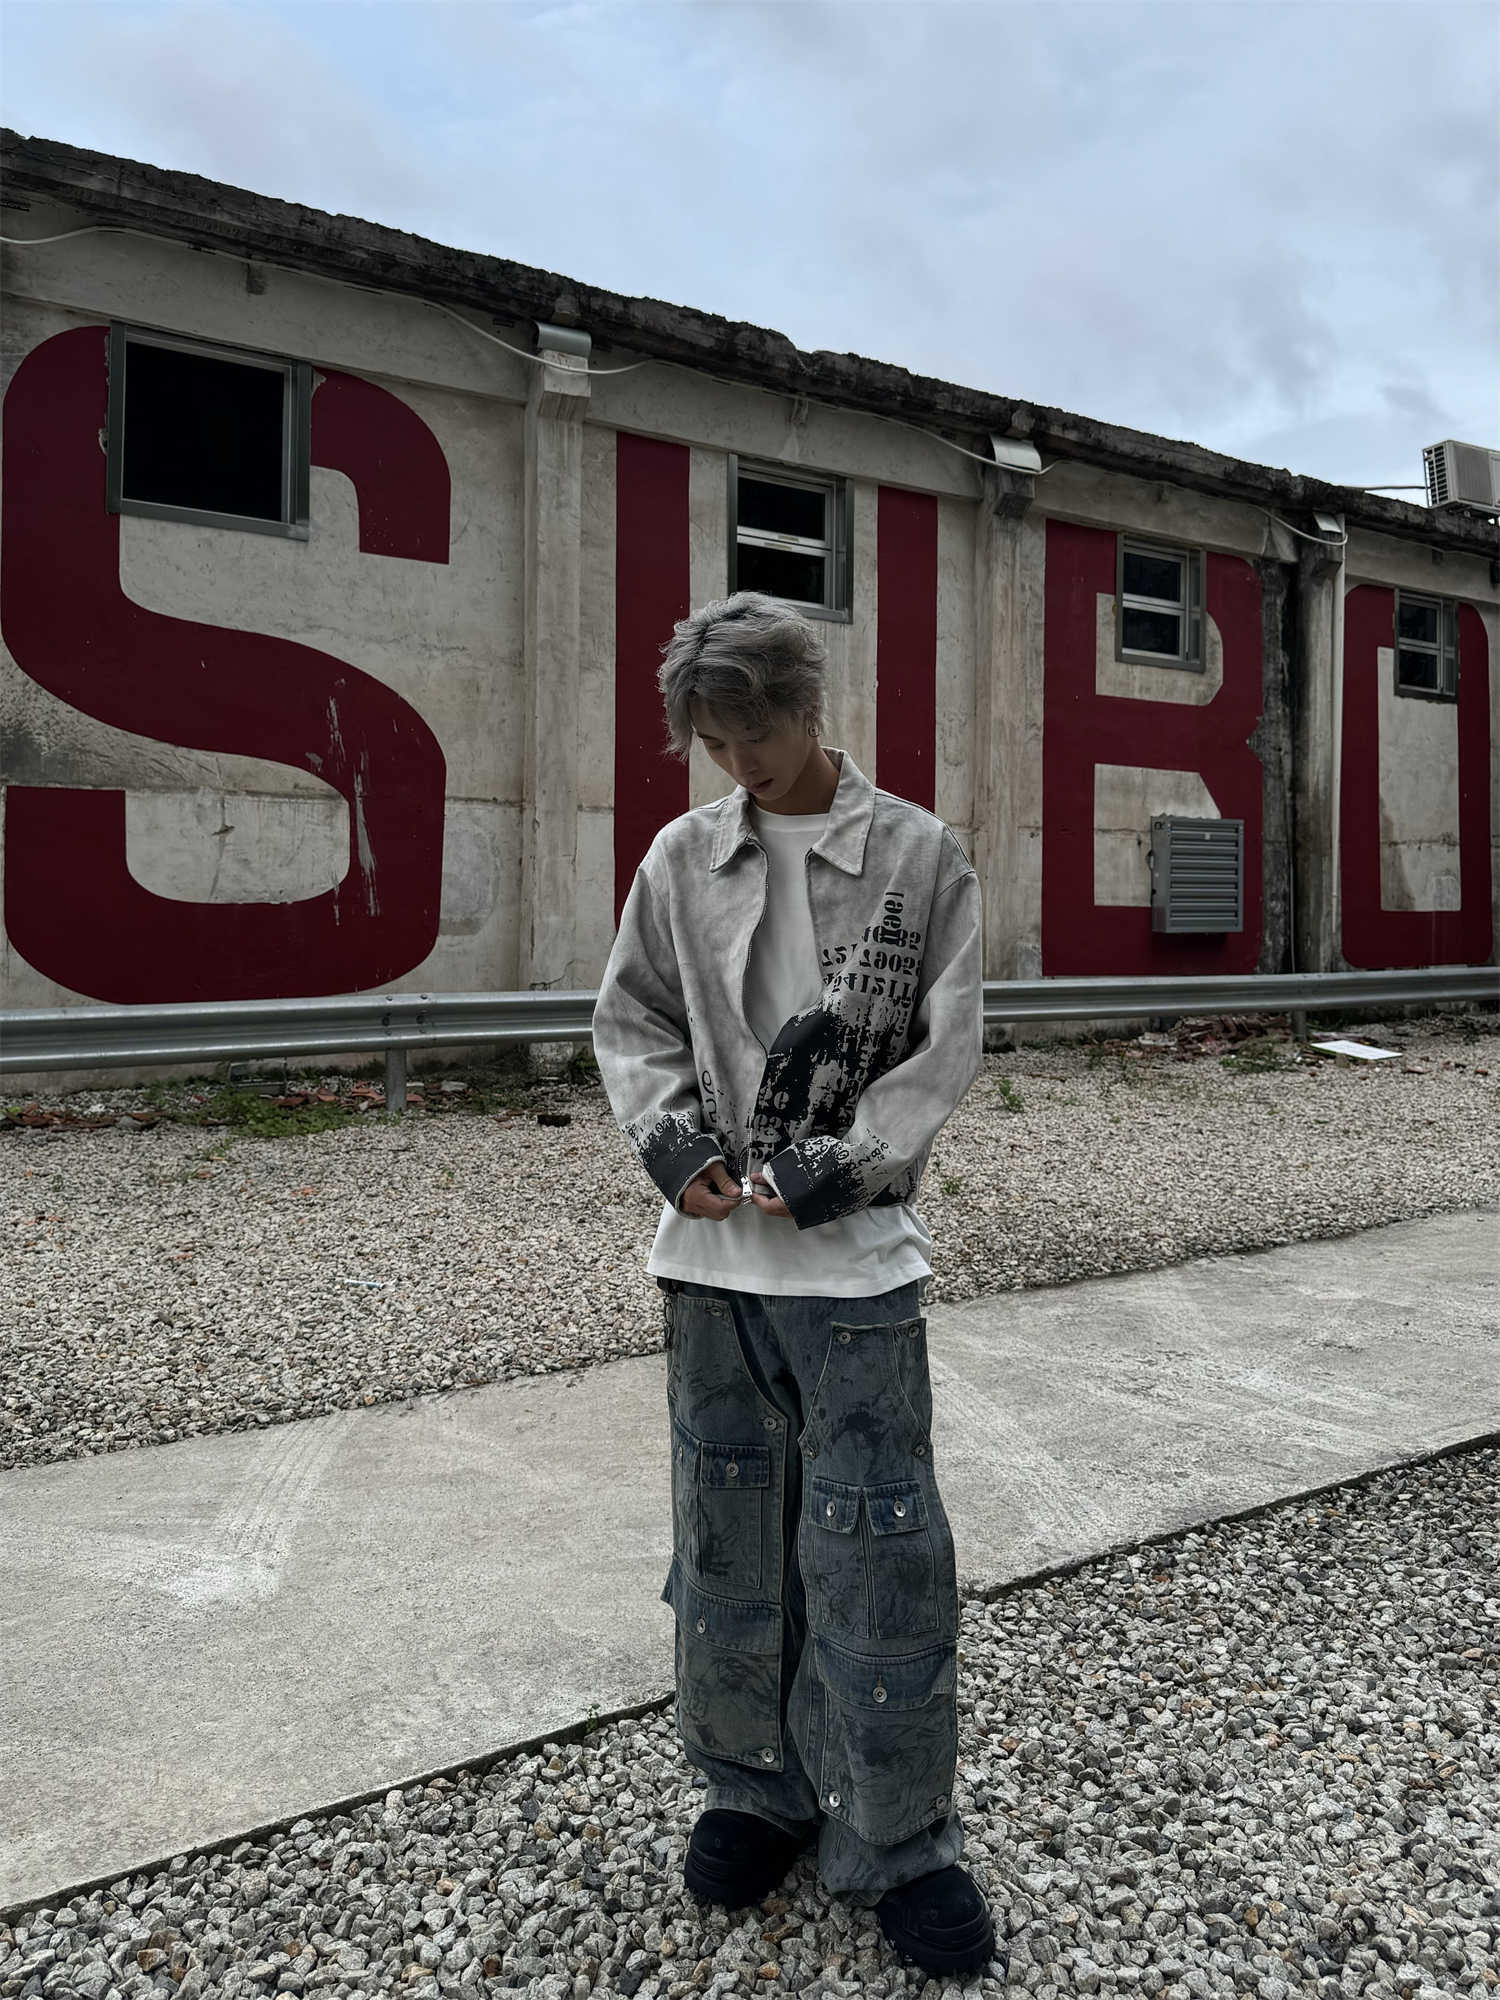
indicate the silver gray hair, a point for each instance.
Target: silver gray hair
{"x":749,"y":658}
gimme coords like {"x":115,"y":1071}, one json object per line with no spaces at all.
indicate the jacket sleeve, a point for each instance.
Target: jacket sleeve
{"x":643,"y":1045}
{"x":900,"y":1114}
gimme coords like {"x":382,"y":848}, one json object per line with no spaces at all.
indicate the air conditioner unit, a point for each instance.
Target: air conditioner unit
{"x":1462,"y":475}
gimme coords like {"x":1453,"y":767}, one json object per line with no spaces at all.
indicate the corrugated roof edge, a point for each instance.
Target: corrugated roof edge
{"x":209,"y":213}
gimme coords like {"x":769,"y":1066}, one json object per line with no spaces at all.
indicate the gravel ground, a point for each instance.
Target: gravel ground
{"x":1259,"y":1760}
{"x":170,"y":1282}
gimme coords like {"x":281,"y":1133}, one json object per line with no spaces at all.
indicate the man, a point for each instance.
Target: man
{"x":791,"y":1011}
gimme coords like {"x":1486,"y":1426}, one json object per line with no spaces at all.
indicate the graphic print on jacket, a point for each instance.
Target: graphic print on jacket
{"x":821,"y":1060}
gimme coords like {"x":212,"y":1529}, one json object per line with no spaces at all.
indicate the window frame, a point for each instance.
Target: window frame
{"x":836,"y":546}
{"x":296,"y":435}
{"x":1193,"y":659}
{"x":1444,"y":649}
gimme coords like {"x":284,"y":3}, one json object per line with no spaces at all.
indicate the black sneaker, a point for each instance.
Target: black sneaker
{"x":941,"y":1922}
{"x":735,"y":1858}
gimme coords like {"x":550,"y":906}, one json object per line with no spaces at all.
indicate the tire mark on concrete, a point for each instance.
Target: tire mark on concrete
{"x":238,"y":1555}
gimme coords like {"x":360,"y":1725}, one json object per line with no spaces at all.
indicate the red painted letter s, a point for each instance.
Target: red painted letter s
{"x":72,"y":908}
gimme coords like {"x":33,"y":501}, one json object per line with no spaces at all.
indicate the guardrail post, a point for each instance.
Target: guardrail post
{"x":395,"y":1080}
{"x":1299,"y":1025}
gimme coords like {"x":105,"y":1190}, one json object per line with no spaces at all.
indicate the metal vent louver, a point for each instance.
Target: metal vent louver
{"x":1197,"y":874}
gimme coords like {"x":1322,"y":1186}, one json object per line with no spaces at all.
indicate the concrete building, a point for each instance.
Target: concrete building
{"x":337,"y":564}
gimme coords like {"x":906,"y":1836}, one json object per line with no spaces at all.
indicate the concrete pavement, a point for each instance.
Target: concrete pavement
{"x":199,"y":1638}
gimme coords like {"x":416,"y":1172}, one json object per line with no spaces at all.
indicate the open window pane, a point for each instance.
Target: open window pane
{"x":1151,"y":632}
{"x":782,"y":573}
{"x":782,"y":510}
{"x":203,"y":433}
{"x":1149,"y":575}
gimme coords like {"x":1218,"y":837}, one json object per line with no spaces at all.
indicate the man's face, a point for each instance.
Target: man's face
{"x":767,"y":763}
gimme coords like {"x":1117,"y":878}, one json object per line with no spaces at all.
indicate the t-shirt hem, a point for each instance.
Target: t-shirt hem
{"x":900,"y":1271}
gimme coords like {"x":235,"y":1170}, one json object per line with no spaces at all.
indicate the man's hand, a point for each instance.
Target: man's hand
{"x":767,"y":1202}
{"x":713,"y":1194}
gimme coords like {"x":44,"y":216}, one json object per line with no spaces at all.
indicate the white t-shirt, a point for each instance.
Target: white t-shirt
{"x":854,"y":1256}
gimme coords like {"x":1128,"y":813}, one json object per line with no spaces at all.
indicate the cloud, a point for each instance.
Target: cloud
{"x":1225,"y":222}
{"x":234,"y":93}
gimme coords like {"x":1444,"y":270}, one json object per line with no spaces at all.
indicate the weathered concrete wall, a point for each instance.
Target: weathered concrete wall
{"x":1049,"y":755}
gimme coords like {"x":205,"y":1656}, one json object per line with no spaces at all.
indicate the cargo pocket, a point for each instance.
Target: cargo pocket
{"x":728,"y":1662}
{"x":832,"y":1554}
{"x":732,"y":1483}
{"x":903,"y":1573}
{"x":890,"y":1747}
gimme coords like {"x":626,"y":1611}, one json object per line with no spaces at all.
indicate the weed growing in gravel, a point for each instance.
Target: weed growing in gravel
{"x":952,"y":1184}
{"x":258,"y":1116}
{"x":582,"y":1066}
{"x":1257,"y":1057}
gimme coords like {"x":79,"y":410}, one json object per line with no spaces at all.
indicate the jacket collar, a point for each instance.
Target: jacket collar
{"x":843,"y":839}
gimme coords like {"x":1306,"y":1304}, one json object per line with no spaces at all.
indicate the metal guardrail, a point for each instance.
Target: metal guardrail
{"x":216,"y":1031}
{"x":1231,"y":993}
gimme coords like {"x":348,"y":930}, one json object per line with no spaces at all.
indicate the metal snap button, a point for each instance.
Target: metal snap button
{"x":830,"y":1510}
{"x":834,"y":1799}
{"x":919,"y":1451}
{"x":731,"y":1471}
{"x":878,"y":1692}
{"x":941,"y":1799}
{"x":844,"y":1339}
{"x":899,"y":1510}
{"x":702,"y":1624}
{"x":768,"y":1756}
{"x":772,"y":1423}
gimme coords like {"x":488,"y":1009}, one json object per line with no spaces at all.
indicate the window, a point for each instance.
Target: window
{"x":204,"y":433}
{"x":1159,"y":605}
{"x":789,"y":536}
{"x":1426,"y":647}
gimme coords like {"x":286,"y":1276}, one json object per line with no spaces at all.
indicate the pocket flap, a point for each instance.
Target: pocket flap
{"x":722,"y":1621}
{"x":732,"y":1465}
{"x":833,"y":1505}
{"x":897,"y":1508}
{"x":864,"y":1681}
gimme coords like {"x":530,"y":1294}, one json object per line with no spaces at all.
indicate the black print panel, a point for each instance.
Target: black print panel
{"x":819,"y":1182}
{"x":829,"y":1055}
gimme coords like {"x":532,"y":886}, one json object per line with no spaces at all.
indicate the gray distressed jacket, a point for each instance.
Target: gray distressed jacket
{"x":846,"y":1102}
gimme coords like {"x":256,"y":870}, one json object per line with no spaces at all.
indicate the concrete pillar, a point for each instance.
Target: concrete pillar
{"x":1007,"y":734}
{"x":555,"y":411}
{"x":1318,"y":683}
{"x":1272,"y":742}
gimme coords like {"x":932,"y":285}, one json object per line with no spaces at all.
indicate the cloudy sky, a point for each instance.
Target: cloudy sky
{"x":1269,"y":228}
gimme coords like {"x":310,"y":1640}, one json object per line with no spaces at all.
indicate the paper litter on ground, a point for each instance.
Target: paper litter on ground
{"x":1365,"y":1050}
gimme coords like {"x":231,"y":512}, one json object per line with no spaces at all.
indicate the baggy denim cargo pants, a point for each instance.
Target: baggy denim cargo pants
{"x":813,"y":1576}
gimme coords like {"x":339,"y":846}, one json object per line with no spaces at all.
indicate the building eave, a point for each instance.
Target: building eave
{"x":213,"y":216}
